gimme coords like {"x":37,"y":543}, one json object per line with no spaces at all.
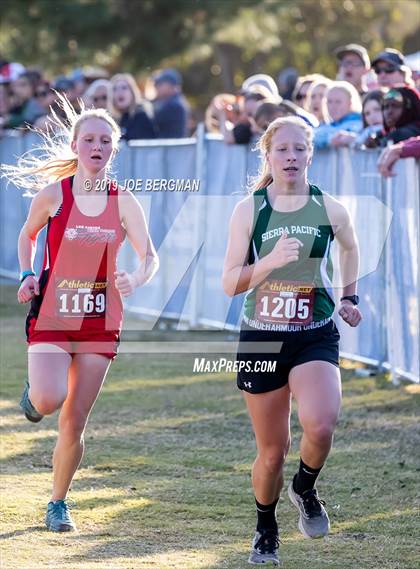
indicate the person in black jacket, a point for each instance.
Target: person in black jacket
{"x":401,"y":110}
{"x":171,"y":108}
{"x":401,"y":113}
{"x":133,"y":114}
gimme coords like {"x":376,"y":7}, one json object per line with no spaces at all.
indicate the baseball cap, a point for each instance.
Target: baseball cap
{"x":169,"y":75}
{"x":392,"y":56}
{"x":261,"y":79}
{"x":359,"y":50}
{"x":63,"y":83}
{"x":10,"y":71}
{"x":93,"y":73}
{"x":394,"y":94}
{"x":77,"y":75}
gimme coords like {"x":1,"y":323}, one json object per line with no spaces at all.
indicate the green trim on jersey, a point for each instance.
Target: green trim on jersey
{"x":312,"y":226}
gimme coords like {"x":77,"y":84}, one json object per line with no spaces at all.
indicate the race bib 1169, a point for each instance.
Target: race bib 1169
{"x":80,"y":298}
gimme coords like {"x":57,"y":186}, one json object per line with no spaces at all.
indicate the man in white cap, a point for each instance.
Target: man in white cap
{"x":353,"y":65}
{"x":9,"y":71}
{"x":264,"y":80}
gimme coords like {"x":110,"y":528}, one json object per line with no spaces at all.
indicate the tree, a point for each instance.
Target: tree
{"x":118,"y":34}
{"x":215,"y":43}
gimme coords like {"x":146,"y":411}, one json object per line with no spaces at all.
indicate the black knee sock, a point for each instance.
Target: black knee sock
{"x":305,"y":478}
{"x":266,"y":516}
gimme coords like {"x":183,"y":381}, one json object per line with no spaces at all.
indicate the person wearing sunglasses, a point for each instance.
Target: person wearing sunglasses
{"x":390,"y":68}
{"x":44,"y":95}
{"x":300,"y":93}
{"x":96,"y":95}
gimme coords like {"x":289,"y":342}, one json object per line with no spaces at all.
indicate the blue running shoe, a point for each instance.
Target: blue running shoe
{"x":25,"y":404}
{"x":58,"y":517}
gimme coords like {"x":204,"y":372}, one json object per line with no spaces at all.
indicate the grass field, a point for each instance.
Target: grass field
{"x":165,"y":481}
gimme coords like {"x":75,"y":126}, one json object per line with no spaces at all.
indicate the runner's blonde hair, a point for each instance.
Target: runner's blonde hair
{"x":53,"y":159}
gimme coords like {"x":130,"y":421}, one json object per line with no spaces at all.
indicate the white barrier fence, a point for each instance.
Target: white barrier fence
{"x":189,"y":229}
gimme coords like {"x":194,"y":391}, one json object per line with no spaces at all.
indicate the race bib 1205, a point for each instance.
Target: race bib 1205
{"x":285,"y":302}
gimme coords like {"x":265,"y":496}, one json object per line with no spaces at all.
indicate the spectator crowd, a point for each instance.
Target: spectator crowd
{"x":370,"y":103}
{"x":27,"y":99}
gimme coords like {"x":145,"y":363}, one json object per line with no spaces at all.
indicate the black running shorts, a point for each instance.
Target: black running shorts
{"x":259,"y":372}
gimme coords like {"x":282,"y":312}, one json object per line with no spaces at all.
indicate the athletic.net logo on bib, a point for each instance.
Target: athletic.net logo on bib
{"x":80,"y":298}
{"x":285,"y":302}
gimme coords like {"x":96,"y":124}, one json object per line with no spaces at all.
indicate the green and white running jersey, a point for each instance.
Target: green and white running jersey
{"x":300,"y":293}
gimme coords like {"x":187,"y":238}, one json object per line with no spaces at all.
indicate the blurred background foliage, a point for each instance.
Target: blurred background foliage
{"x":214,"y":43}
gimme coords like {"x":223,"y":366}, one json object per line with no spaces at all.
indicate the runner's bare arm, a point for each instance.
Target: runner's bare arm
{"x":348,"y":257}
{"x":348,"y":246}
{"x":41,"y":208}
{"x":134,"y":222}
{"x":239,"y":277}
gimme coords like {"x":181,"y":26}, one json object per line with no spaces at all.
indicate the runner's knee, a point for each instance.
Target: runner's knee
{"x":73,"y":424}
{"x":273,"y":458}
{"x":45,"y":403}
{"x":320,"y":432}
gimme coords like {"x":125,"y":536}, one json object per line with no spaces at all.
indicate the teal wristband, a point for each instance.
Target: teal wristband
{"x":25,"y":274}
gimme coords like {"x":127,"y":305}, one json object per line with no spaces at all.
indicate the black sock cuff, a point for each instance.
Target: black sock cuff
{"x":309,"y":469}
{"x":266,"y":507}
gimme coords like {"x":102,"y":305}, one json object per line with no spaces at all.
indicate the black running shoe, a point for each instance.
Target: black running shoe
{"x":264,"y":548}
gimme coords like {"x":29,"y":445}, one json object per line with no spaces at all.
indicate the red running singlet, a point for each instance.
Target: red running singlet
{"x":79,"y":307}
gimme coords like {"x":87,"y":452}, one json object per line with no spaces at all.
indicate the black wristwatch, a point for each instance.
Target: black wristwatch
{"x":353,"y":298}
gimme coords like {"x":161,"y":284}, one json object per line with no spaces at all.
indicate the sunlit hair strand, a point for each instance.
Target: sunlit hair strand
{"x":53,"y":159}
